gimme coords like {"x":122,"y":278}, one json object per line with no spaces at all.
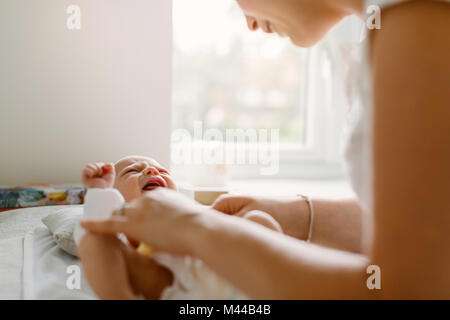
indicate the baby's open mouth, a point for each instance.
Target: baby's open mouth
{"x":153,"y":183}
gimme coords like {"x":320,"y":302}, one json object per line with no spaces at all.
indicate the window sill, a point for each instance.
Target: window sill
{"x":327,"y":188}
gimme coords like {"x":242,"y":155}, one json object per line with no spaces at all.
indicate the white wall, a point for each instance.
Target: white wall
{"x":72,"y":97}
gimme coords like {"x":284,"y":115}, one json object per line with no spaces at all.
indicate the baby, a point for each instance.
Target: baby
{"x":116,"y":268}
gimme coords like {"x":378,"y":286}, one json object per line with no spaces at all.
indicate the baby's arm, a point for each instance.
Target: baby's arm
{"x":99,"y":175}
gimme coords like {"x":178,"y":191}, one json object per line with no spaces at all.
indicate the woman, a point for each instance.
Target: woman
{"x":399,"y":157}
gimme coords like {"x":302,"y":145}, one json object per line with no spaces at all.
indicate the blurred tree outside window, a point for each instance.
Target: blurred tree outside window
{"x":228,"y":77}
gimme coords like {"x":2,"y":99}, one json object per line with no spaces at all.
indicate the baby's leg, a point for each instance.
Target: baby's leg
{"x":264,"y":219}
{"x":116,"y":271}
{"x":147,"y":276}
{"x":105,"y":266}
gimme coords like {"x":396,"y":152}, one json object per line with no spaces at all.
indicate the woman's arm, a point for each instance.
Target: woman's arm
{"x":411,"y":63}
{"x":337,"y":223}
{"x":260,"y":262}
{"x":267,"y":265}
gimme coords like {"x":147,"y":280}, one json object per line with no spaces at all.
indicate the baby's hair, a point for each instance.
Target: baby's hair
{"x":132,"y":156}
{"x":136,"y":157}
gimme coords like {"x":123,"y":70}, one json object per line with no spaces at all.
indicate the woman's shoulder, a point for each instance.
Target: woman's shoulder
{"x":388,"y":3}
{"x":413,"y":30}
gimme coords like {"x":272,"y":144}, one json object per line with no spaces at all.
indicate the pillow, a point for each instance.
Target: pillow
{"x":62,"y":224}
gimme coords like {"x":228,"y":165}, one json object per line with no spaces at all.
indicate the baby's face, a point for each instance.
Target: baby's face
{"x":137,"y":175}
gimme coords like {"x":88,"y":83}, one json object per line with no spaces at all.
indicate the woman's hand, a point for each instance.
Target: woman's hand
{"x":98,"y":175}
{"x":291,"y":213}
{"x":164,"y":219}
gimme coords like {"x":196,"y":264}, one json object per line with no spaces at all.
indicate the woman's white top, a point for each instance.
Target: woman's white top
{"x":358,"y":152}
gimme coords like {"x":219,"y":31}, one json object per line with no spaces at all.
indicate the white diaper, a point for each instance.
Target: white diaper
{"x":192,"y":279}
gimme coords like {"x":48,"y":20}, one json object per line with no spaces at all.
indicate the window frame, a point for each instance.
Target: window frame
{"x":320,"y":156}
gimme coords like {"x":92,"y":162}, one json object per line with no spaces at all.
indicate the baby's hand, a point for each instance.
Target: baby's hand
{"x":99,"y":175}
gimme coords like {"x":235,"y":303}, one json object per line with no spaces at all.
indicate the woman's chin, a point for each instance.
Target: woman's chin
{"x":303,"y":41}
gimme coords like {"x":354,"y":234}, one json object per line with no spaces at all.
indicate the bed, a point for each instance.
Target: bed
{"x":32,"y":266}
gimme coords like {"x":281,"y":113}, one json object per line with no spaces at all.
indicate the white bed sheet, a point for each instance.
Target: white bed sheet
{"x":11,"y":255}
{"x":14,"y":226}
{"x":45,"y":270}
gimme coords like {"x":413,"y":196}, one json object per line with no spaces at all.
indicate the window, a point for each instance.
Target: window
{"x":226,"y":77}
